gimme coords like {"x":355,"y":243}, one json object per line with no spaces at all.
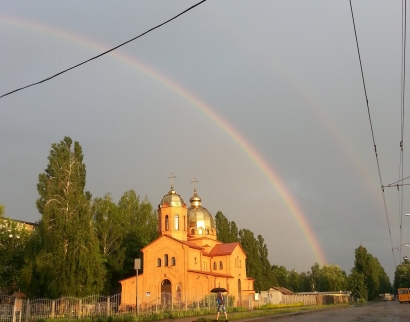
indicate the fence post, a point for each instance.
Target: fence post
{"x":53,"y":309}
{"x":108,"y":306}
{"x":79,"y":308}
{"x":27,"y":310}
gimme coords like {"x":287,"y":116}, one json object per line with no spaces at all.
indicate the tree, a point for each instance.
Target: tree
{"x":13,"y":239}
{"x":375,"y":278}
{"x":226,"y":231}
{"x":142,"y":228}
{"x":357,"y":285}
{"x":402,"y":275}
{"x":333,"y":278}
{"x":68,"y":259}
{"x":281,"y":275}
{"x":110,"y":229}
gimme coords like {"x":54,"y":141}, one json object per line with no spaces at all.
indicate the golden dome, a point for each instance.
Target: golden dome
{"x":172,"y":199}
{"x":199,"y":218}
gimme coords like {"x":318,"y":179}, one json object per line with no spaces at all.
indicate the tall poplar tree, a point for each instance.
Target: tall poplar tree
{"x":68,"y":261}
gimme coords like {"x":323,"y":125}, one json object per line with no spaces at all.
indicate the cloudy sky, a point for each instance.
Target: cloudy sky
{"x":261,"y":101}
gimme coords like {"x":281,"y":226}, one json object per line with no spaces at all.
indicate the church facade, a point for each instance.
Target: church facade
{"x":186,"y":261}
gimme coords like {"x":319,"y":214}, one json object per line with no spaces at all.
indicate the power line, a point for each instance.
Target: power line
{"x":403,"y":86}
{"x":371,"y":129}
{"x":105,"y":52}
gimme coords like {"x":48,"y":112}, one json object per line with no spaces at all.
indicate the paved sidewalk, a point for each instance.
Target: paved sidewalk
{"x":265,"y":318}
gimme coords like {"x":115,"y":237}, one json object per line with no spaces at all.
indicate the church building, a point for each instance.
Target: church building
{"x":187,"y":261}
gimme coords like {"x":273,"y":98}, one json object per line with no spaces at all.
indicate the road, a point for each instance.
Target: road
{"x":379,"y":311}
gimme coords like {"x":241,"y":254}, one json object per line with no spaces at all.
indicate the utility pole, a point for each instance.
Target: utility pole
{"x":137,"y":266}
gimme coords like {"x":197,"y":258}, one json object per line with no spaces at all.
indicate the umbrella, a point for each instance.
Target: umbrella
{"x":218,"y":289}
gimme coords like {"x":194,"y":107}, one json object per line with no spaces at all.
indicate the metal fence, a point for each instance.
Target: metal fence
{"x":24,"y":310}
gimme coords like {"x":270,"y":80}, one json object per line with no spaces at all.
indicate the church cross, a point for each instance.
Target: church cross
{"x":172,"y":177}
{"x":194,"y":182}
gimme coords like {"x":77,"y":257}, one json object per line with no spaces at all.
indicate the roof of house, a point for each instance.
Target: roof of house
{"x":224,"y":249}
{"x":283,"y":290}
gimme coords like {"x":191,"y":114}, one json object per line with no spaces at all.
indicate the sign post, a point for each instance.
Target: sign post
{"x":137,"y":266}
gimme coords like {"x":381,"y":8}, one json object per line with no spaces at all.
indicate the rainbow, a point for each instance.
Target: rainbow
{"x":206,"y":109}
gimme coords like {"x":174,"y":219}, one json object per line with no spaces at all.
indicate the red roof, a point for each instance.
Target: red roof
{"x":223,"y":249}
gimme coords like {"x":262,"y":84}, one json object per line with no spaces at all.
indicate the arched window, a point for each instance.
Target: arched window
{"x":159,"y":262}
{"x":166,"y":223}
{"x":172,"y":261}
{"x":221,"y":265}
{"x":184,"y":224}
{"x":176,"y":225}
{"x":215,"y":267}
{"x":192,"y":231}
{"x":195,"y":260}
{"x":207,"y":231}
{"x":200,"y":231}
{"x":166,"y":260}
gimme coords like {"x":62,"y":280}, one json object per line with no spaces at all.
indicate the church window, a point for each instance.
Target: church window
{"x":166,"y":260}
{"x":235,"y":263}
{"x":215,"y":266}
{"x":207,"y":231}
{"x":200,"y":231}
{"x":195,"y":260}
{"x":159,"y":262}
{"x":166,"y":223}
{"x":184,"y":224}
{"x":192,"y":231}
{"x":172,"y":261}
{"x":176,"y":222}
{"x":221,"y":265}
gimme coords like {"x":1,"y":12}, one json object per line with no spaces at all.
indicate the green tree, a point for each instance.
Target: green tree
{"x":68,"y":259}
{"x":281,"y":275}
{"x":316,"y":278}
{"x":142,"y":228}
{"x":110,"y":229}
{"x":402,"y":275}
{"x":375,"y":277}
{"x":294,"y":282}
{"x":226,"y":231}
{"x":13,"y":240}
{"x":333,"y":278}
{"x":357,"y":285}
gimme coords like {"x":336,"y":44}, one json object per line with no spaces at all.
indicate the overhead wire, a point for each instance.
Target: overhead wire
{"x":400,"y":192}
{"x":105,"y":52}
{"x":372,"y":131}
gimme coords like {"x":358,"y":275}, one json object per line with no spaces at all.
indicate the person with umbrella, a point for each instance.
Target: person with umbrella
{"x":220,"y":299}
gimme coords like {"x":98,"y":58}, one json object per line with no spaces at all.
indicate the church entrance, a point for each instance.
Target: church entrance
{"x":166,"y":293}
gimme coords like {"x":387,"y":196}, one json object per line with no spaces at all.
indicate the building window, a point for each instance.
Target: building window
{"x":200,"y":231}
{"x":176,"y":222}
{"x":166,"y":223}
{"x":195,"y":260}
{"x":172,"y":261}
{"x":215,"y":266}
{"x":184,"y":224}
{"x":159,"y":262}
{"x":221,"y":265}
{"x":192,"y":231}
{"x":166,"y":260}
{"x":207,"y":231}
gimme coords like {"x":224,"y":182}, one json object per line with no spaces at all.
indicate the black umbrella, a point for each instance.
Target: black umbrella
{"x":218,"y":289}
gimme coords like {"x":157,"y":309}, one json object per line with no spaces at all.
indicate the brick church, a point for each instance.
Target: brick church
{"x":186,"y":260}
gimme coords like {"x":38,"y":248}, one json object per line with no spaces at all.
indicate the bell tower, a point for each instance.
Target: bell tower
{"x":172,"y":215}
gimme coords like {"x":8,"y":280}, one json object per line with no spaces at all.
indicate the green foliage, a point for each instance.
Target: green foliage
{"x":68,"y":260}
{"x":402,"y":276}
{"x":13,"y":240}
{"x":375,"y":278}
{"x":357,"y":285}
{"x":141,"y":228}
{"x":110,"y":230}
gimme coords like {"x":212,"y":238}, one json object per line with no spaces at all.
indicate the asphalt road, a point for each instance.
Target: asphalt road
{"x":378,"y":311}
